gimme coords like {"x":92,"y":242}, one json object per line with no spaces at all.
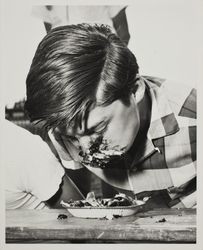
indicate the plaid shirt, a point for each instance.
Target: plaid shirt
{"x":165,"y":160}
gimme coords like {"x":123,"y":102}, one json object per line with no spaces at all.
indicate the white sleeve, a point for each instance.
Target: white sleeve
{"x":114,"y":10}
{"x":44,"y":174}
{"x":30,"y":165}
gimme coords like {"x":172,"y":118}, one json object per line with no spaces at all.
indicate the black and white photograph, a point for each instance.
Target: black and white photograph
{"x":99,"y":123}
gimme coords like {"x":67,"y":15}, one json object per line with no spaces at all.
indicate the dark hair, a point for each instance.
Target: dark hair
{"x":71,"y":66}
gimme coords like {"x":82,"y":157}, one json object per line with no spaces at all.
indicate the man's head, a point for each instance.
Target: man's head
{"x":76,"y":70}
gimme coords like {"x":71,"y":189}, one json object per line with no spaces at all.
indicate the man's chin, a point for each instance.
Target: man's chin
{"x":128,"y":147}
{"x":130,"y":143}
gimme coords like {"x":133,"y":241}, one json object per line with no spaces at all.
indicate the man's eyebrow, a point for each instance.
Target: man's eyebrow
{"x":91,"y":129}
{"x":97,"y":125}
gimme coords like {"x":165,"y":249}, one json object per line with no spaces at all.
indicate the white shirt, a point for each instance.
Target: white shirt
{"x":74,"y":14}
{"x":32,"y":172}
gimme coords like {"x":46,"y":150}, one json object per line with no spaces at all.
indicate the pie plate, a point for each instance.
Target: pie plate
{"x":105,"y":212}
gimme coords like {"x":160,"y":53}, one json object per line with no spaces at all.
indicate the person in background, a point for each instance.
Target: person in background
{"x":112,"y":15}
{"x":34,"y":178}
{"x":84,"y":85}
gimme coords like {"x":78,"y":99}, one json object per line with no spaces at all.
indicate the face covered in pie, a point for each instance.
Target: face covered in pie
{"x":99,"y":155}
{"x":108,"y":134}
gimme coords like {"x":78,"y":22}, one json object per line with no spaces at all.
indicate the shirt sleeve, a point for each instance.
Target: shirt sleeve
{"x":44,"y":174}
{"x":182,"y":98}
{"x":183,"y":196}
{"x":114,"y":10}
{"x":31,"y":167}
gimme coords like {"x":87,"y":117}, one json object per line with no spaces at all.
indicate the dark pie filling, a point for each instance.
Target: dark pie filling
{"x":99,"y":155}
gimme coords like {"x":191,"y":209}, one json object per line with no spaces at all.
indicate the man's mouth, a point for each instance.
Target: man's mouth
{"x":100,"y":155}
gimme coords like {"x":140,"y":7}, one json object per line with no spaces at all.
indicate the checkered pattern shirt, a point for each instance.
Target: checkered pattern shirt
{"x":165,"y":160}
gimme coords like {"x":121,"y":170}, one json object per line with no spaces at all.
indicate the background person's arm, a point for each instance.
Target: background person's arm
{"x":67,"y":190}
{"x":120,"y":24}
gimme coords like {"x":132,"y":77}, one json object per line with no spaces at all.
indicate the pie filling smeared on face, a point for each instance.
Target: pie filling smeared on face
{"x":100,"y":155}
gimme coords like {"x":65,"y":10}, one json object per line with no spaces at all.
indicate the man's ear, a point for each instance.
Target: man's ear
{"x":139,"y":90}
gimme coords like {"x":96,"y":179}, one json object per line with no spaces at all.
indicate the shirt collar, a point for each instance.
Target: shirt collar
{"x":162,"y":123}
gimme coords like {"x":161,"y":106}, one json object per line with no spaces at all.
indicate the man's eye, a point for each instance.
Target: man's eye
{"x":100,"y":130}
{"x":72,"y":138}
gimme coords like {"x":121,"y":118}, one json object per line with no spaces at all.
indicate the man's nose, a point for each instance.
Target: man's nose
{"x":84,"y":142}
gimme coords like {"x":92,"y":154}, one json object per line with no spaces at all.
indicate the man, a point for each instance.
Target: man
{"x":84,"y":85}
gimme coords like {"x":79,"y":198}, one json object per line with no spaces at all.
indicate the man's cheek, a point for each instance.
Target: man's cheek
{"x":113,"y":138}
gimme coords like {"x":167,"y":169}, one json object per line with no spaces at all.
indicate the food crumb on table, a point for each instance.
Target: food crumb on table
{"x":161,"y":220}
{"x":62,"y":217}
{"x":116,"y":216}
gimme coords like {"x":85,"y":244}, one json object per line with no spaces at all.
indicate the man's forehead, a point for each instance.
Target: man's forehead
{"x":100,"y":113}
{"x":95,"y":116}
